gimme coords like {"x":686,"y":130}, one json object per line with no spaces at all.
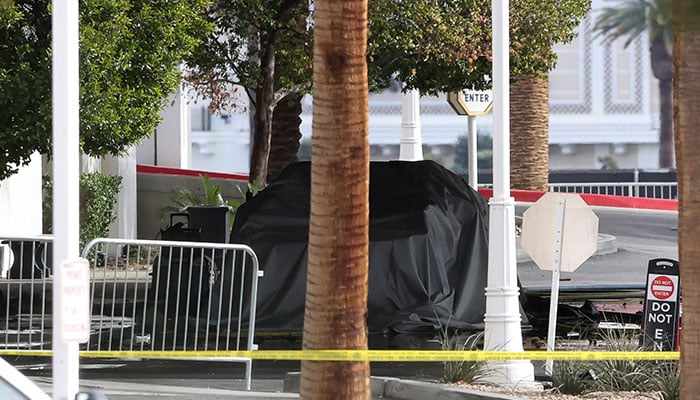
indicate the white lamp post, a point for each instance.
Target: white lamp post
{"x":65,"y":93}
{"x":411,"y":147}
{"x":502,"y":319}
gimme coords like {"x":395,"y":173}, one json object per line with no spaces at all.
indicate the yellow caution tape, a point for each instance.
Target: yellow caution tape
{"x":372,"y":355}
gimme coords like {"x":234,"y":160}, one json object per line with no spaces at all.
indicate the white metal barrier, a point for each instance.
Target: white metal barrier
{"x":146,"y":295}
{"x":25,"y":295}
{"x":656,"y":190}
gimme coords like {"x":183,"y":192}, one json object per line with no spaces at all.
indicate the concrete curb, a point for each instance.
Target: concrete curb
{"x":122,"y":390}
{"x":403,"y":389}
{"x":413,"y":390}
{"x":607,"y":244}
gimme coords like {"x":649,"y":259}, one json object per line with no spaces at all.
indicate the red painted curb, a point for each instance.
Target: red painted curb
{"x":153,"y":169}
{"x":529,"y":196}
{"x":602,"y":200}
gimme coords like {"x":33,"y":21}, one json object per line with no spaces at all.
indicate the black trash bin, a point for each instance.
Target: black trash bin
{"x":212,"y":221}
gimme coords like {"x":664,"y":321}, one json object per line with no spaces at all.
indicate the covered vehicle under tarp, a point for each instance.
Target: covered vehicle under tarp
{"x":427,"y":254}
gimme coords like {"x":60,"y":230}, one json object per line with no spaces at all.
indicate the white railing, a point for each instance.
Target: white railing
{"x":146,"y":295}
{"x":656,"y":190}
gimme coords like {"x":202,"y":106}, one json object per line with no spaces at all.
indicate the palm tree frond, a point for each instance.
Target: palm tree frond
{"x":628,"y":20}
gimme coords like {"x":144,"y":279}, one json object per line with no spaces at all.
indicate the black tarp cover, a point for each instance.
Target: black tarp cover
{"x":427,"y":254}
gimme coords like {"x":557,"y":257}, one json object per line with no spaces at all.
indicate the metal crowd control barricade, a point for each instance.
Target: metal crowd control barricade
{"x":154,"y":295}
{"x":145,"y":295}
{"x":25,"y":294}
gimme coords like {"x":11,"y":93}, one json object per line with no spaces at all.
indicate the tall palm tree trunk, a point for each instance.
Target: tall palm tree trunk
{"x":286,"y":118}
{"x":666,"y":153}
{"x":662,"y":68}
{"x":336,"y":292}
{"x":529,"y":133}
{"x":286,"y":133}
{"x":686,"y":98}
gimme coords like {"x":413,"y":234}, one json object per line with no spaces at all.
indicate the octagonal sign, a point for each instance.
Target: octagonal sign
{"x":474,"y":103}
{"x":539,"y":236}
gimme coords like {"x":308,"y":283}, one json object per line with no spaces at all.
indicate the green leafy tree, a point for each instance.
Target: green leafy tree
{"x":631,"y":19}
{"x":98,"y":198}
{"x":430,"y":46}
{"x":446,"y":46}
{"x":265,"y":47}
{"x":130,"y":51}
{"x":484,"y":152}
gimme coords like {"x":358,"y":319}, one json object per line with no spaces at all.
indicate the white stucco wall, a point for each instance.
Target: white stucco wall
{"x":169,"y":145}
{"x":20,"y":201}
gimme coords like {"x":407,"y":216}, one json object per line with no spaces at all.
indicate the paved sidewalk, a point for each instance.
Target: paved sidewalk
{"x":382,"y":388}
{"x":120,"y":390}
{"x":405,"y":389}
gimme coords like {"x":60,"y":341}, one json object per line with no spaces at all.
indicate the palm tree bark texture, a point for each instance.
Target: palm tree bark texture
{"x":336,"y":292}
{"x":529,"y":133}
{"x":286,"y":134}
{"x":686,"y":112}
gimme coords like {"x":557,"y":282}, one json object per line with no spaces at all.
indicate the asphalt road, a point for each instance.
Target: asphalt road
{"x":640,"y":235}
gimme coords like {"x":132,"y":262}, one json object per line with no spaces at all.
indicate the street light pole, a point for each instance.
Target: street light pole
{"x":502,"y":319}
{"x":411,"y":145}
{"x":65,"y":109}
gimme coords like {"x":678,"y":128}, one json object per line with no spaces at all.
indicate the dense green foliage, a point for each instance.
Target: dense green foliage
{"x":443,"y":47}
{"x":180,"y":199}
{"x":130,"y":51}
{"x":246,"y":33}
{"x":431,"y":46}
{"x":263,"y":46}
{"x":484,"y":152}
{"x":25,"y":82}
{"x":536,"y":26}
{"x":98,"y":197}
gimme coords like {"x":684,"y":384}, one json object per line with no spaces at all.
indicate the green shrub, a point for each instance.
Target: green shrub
{"x":571,"y":377}
{"x":662,"y":378}
{"x":98,"y":196}
{"x":665,"y":378}
{"x":181,"y":198}
{"x":461,"y":371}
{"x":621,"y":375}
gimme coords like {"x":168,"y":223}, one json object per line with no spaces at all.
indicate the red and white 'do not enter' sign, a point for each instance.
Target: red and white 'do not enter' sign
{"x":662,"y":287}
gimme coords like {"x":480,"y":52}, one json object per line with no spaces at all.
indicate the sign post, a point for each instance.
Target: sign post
{"x":560,"y":232}
{"x":661,"y":305}
{"x":472,"y":103}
